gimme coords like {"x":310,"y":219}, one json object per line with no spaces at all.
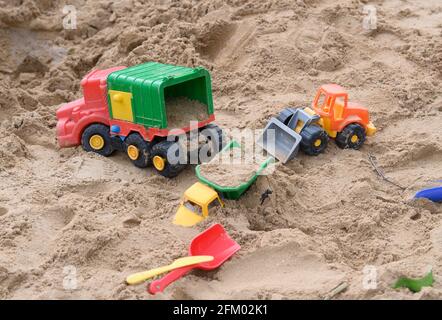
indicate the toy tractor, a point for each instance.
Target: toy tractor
{"x":347,"y":122}
{"x":136,"y":110}
{"x":308,"y":129}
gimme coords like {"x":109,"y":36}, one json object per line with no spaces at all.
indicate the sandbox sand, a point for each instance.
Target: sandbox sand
{"x":228,"y":174}
{"x":181,"y":111}
{"x":234,"y":167}
{"x":74,"y":224}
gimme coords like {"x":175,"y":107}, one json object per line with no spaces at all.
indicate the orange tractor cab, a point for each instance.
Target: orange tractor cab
{"x":347,"y":122}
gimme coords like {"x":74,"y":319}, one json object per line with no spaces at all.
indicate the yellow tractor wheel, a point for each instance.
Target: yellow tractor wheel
{"x":314,"y":140}
{"x":353,"y":136}
{"x":318,"y":142}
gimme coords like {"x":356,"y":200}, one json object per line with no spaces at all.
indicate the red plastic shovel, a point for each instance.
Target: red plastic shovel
{"x":214,"y":242}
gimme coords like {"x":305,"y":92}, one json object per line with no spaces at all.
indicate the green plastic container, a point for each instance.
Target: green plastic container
{"x":152,"y":83}
{"x":233,"y":193}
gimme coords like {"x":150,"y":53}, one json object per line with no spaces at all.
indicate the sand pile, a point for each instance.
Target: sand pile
{"x":181,"y":111}
{"x":233,"y":167}
{"x":68,"y":215}
{"x":230,"y":168}
{"x":228,"y":175}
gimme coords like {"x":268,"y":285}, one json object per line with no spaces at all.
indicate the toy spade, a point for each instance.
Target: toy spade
{"x":433,"y":194}
{"x":214,"y":241}
{"x":140,"y":277}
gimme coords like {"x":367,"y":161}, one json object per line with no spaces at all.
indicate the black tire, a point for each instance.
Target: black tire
{"x":97,"y":130}
{"x":344,"y":138}
{"x":134,"y":140}
{"x":214,"y":135}
{"x":172,"y":167}
{"x":314,"y":140}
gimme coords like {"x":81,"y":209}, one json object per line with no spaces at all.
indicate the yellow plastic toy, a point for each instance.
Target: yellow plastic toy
{"x":140,"y":277}
{"x":195,"y":205}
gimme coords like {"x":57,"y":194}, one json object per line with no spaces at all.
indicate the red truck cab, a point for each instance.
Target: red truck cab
{"x":75,"y":116}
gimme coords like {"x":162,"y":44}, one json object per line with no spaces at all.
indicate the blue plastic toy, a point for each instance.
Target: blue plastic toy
{"x":433,"y":194}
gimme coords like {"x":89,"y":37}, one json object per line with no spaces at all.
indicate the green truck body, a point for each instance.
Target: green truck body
{"x":152,"y":83}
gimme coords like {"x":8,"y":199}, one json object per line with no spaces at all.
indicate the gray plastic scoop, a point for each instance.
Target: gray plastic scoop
{"x":280,"y":141}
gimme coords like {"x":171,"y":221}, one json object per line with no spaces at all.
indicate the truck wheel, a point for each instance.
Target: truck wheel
{"x":214,"y":138}
{"x":353,"y":136}
{"x":314,"y":140}
{"x":162,"y":158}
{"x":138,"y":150}
{"x":96,"y":138}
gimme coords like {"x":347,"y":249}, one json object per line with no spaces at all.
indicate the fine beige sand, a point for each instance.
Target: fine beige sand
{"x":228,"y":175}
{"x":234,"y":167}
{"x":74,"y":224}
{"x":181,"y":111}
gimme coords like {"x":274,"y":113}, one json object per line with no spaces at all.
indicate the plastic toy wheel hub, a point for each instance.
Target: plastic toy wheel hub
{"x":159,"y":163}
{"x":318,"y":143}
{"x":133,"y":152}
{"x":354,"y":139}
{"x":96,"y":142}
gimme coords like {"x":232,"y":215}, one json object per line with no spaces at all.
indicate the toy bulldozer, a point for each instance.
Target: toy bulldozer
{"x":309,"y":129}
{"x":292,"y":130}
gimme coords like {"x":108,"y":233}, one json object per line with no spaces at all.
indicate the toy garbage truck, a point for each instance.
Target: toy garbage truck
{"x":136,"y":109}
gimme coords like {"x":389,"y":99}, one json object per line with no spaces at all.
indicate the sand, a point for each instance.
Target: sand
{"x":234,"y":167}
{"x":181,"y":111}
{"x":228,"y":175}
{"x":74,"y":225}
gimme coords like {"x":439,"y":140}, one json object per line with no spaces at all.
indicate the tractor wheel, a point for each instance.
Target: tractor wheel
{"x":214,"y":138}
{"x":138,"y":150}
{"x":166,"y":163}
{"x":96,"y":138}
{"x":353,"y":136}
{"x":314,"y":140}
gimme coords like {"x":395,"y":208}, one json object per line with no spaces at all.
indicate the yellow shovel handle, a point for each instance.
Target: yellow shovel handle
{"x":140,"y":277}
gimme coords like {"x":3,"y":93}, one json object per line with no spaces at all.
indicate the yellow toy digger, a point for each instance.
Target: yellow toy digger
{"x":194,"y":207}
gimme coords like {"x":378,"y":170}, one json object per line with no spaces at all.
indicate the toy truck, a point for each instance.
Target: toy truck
{"x":134,"y":110}
{"x":309,"y":129}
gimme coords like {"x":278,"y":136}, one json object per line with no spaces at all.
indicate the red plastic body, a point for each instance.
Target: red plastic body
{"x":213,"y":242}
{"x":150,"y":133}
{"x":75,"y":116}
